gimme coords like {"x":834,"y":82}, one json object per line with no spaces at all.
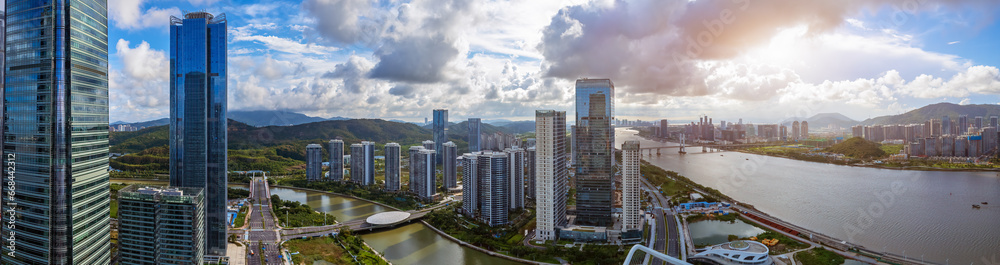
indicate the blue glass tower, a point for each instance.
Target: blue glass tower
{"x":198,"y":116}
{"x":475,"y":132}
{"x":594,"y":137}
{"x":55,"y":133}
{"x":440,"y":131}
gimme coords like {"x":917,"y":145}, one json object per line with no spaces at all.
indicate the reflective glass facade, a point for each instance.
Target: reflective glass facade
{"x":392,"y":167}
{"x":161,"y":225}
{"x":198,"y":116}
{"x":475,"y":132}
{"x":593,"y":156}
{"x":440,"y":130}
{"x":55,"y":132}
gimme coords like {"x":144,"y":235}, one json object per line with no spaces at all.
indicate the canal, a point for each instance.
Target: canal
{"x":913,"y":213}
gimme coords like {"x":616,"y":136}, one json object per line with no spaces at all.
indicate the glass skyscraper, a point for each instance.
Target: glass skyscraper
{"x":593,"y":156}
{"x":55,"y":133}
{"x":198,"y":116}
{"x":475,"y":134}
{"x":440,"y":131}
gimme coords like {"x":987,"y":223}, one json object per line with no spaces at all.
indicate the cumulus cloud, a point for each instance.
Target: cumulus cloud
{"x":661,"y":47}
{"x":354,"y":73}
{"x":128,"y":14}
{"x":140,"y":88}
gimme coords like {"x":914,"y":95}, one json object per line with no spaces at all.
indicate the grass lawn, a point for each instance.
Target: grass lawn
{"x":114,"y":208}
{"x":241,"y":217}
{"x":892,"y":149}
{"x":819,"y":256}
{"x":319,"y":248}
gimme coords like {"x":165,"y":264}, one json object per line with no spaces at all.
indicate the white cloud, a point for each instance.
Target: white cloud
{"x":128,"y":14}
{"x":139,"y":90}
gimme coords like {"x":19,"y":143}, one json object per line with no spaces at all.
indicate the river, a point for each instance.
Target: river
{"x":912,"y":213}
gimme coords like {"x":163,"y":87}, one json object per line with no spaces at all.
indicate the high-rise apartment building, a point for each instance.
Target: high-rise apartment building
{"x":551,"y":182}
{"x":796,"y":133}
{"x":449,"y":164}
{"x":963,"y":124}
{"x":55,"y":112}
{"x":631,"y":217}
{"x":475,"y":132}
{"x":336,"y":149}
{"x":161,"y":225}
{"x":515,"y":176}
{"x":594,"y":155}
{"x":392,"y":167}
{"x":804,"y":130}
{"x":532,"y":173}
{"x":664,"y":128}
{"x":314,"y":162}
{"x":470,"y":185}
{"x":412,"y":159}
{"x":993,"y":122}
{"x":428,"y":144}
{"x":198,"y":132}
{"x":423,"y":177}
{"x":946,"y":125}
{"x":979,"y":122}
{"x":363,"y":163}
{"x":440,"y":130}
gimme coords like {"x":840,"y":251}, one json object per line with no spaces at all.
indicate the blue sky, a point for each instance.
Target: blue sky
{"x":761,"y":61}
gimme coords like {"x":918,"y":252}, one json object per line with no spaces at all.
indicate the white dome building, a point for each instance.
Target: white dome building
{"x":737,"y":252}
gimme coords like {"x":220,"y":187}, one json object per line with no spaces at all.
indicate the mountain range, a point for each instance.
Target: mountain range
{"x":824,"y":120}
{"x":937,"y":111}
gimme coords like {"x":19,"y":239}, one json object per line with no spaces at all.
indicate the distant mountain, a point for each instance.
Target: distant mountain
{"x":823,"y":120}
{"x":520,"y":126}
{"x":144,"y":124}
{"x":260,"y":118}
{"x":338,"y":118}
{"x":937,"y":111}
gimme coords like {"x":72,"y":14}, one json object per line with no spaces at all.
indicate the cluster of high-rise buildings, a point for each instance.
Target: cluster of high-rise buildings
{"x":943,"y":137}
{"x":55,"y":130}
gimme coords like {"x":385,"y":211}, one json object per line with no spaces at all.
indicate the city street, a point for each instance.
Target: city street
{"x":263,"y":233}
{"x":667,"y":235}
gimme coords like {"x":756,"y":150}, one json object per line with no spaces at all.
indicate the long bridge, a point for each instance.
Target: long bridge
{"x":704,"y":147}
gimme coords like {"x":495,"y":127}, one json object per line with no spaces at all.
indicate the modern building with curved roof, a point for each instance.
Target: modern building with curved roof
{"x":736,"y":252}
{"x":388,"y":218}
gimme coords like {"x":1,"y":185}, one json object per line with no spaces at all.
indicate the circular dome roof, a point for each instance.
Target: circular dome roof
{"x":739,"y":245}
{"x":387,"y":218}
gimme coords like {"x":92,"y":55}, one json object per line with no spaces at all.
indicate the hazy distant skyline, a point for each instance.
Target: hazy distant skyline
{"x":504,"y":59}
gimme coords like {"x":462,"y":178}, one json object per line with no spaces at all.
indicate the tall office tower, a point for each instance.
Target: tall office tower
{"x":357,"y":163}
{"x":532,"y":175}
{"x":979,"y":122}
{"x":795,"y":131}
{"x":664,"y":128}
{"x":369,"y":177}
{"x":493,"y":173}
{"x":198,"y":153}
{"x":314,"y":162}
{"x":422,"y":175}
{"x":470,"y":185}
{"x":414,"y":154}
{"x":161,"y":225}
{"x":993,"y":122}
{"x":392,"y":166}
{"x":449,"y":164}
{"x":56,"y":132}
{"x":804,"y":130}
{"x":631,"y":220}
{"x":428,"y":144}
{"x":440,"y":130}
{"x":594,"y":156}
{"x":551,"y":183}
{"x":475,"y":130}
{"x":963,"y":124}
{"x":945,"y":125}
{"x":515,"y":176}
{"x":336,"y":160}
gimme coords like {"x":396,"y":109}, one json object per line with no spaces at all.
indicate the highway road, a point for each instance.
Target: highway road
{"x":667,"y":236}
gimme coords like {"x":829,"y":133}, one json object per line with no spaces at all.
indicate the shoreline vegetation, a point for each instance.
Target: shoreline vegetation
{"x":857,"y":152}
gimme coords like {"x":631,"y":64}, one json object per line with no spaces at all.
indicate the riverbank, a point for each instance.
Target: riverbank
{"x":913,"y":168}
{"x":491,"y":253}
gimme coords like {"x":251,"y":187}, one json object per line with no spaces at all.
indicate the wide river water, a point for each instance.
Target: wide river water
{"x":912,"y":213}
